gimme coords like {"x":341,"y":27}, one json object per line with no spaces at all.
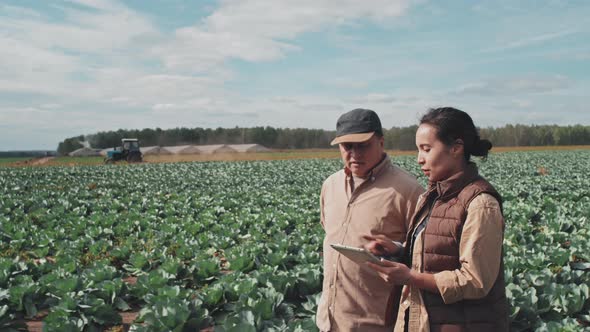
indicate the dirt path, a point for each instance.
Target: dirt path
{"x":40,"y":161}
{"x":33,"y":162}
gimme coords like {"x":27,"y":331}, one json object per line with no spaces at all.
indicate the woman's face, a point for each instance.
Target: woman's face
{"x":438,"y":161}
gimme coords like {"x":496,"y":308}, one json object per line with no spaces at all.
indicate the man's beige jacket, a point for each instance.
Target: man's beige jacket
{"x":354,"y":297}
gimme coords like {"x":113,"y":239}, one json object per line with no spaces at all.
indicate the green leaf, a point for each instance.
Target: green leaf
{"x":584,"y":266}
{"x":121,"y":305}
{"x":213,"y":295}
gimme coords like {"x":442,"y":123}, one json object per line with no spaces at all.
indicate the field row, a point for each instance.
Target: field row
{"x":252,"y":156}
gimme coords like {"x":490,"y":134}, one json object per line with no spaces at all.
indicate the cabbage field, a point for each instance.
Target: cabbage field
{"x":237,"y":245}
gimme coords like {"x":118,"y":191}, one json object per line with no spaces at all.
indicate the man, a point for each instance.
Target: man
{"x":369,"y":197}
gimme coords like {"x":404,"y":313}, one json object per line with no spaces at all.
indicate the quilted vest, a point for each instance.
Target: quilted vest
{"x":442,"y":236}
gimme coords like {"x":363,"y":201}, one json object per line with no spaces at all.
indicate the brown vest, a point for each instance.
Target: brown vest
{"x":441,"y":252}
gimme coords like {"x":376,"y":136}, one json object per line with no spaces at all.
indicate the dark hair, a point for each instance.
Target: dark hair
{"x":453,"y":124}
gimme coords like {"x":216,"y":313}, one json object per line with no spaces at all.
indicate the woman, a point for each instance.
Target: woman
{"x":453,"y":272}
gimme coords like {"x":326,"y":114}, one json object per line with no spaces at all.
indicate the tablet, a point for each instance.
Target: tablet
{"x":358,"y":255}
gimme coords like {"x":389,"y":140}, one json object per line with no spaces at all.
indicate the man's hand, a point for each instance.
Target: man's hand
{"x":392,"y":272}
{"x":381,"y":245}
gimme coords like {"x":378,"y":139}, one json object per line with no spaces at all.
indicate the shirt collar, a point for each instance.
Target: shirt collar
{"x":451,"y":187}
{"x":375,"y":171}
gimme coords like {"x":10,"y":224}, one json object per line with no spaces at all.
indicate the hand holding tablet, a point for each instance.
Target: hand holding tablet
{"x":383,"y":246}
{"x":357,"y":255}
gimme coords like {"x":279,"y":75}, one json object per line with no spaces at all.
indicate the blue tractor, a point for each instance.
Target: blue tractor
{"x":128,"y":151}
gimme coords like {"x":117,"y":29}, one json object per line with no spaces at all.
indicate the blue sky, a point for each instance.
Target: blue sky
{"x":82,"y":66}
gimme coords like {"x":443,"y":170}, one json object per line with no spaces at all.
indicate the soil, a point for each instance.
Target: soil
{"x":33,"y":162}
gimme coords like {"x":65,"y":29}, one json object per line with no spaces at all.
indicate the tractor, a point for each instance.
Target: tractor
{"x":129,"y":151}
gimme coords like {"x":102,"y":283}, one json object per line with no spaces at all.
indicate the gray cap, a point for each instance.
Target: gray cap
{"x":357,"y":126}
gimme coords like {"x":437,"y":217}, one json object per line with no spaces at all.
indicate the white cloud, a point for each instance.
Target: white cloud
{"x":41,"y":56}
{"x":86,"y":64}
{"x":522,"y":103}
{"x":284,"y":100}
{"x":530,"y":40}
{"x":103,"y":31}
{"x":35,"y":117}
{"x":287,"y":19}
{"x":94,"y":49}
{"x":515,"y":86}
{"x":18,"y":11}
{"x":98,"y":4}
{"x":50,"y":106}
{"x":403,"y":97}
{"x":27,"y":67}
{"x":311,"y":111}
{"x":347,"y":83}
{"x":259,"y":30}
{"x":91,"y":60}
{"x":188,"y":105}
{"x":380,"y":98}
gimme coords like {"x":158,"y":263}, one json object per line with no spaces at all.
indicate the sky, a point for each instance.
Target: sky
{"x":77,"y":67}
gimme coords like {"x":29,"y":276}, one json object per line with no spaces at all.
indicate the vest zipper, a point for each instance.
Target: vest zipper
{"x":424,"y":230}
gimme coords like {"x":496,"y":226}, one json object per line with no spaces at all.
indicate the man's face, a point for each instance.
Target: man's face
{"x":360,"y":158}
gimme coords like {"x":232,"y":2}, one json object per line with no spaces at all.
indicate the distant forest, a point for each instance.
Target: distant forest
{"x":396,"y":138}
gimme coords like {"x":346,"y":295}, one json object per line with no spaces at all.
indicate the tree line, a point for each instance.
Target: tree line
{"x":396,"y":138}
{"x":27,"y":153}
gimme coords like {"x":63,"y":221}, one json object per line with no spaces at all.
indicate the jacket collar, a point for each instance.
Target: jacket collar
{"x":451,"y":187}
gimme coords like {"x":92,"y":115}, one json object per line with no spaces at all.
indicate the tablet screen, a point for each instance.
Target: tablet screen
{"x":358,"y":255}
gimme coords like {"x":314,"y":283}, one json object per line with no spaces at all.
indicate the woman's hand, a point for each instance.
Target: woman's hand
{"x":392,"y":272}
{"x":381,"y":245}
{"x":400,"y":274}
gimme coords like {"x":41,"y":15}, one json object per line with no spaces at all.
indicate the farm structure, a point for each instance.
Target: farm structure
{"x":186,"y":149}
{"x":215,"y":148}
{"x":183,"y":149}
{"x":154,"y":150}
{"x":218,"y":148}
{"x":249,"y":148}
